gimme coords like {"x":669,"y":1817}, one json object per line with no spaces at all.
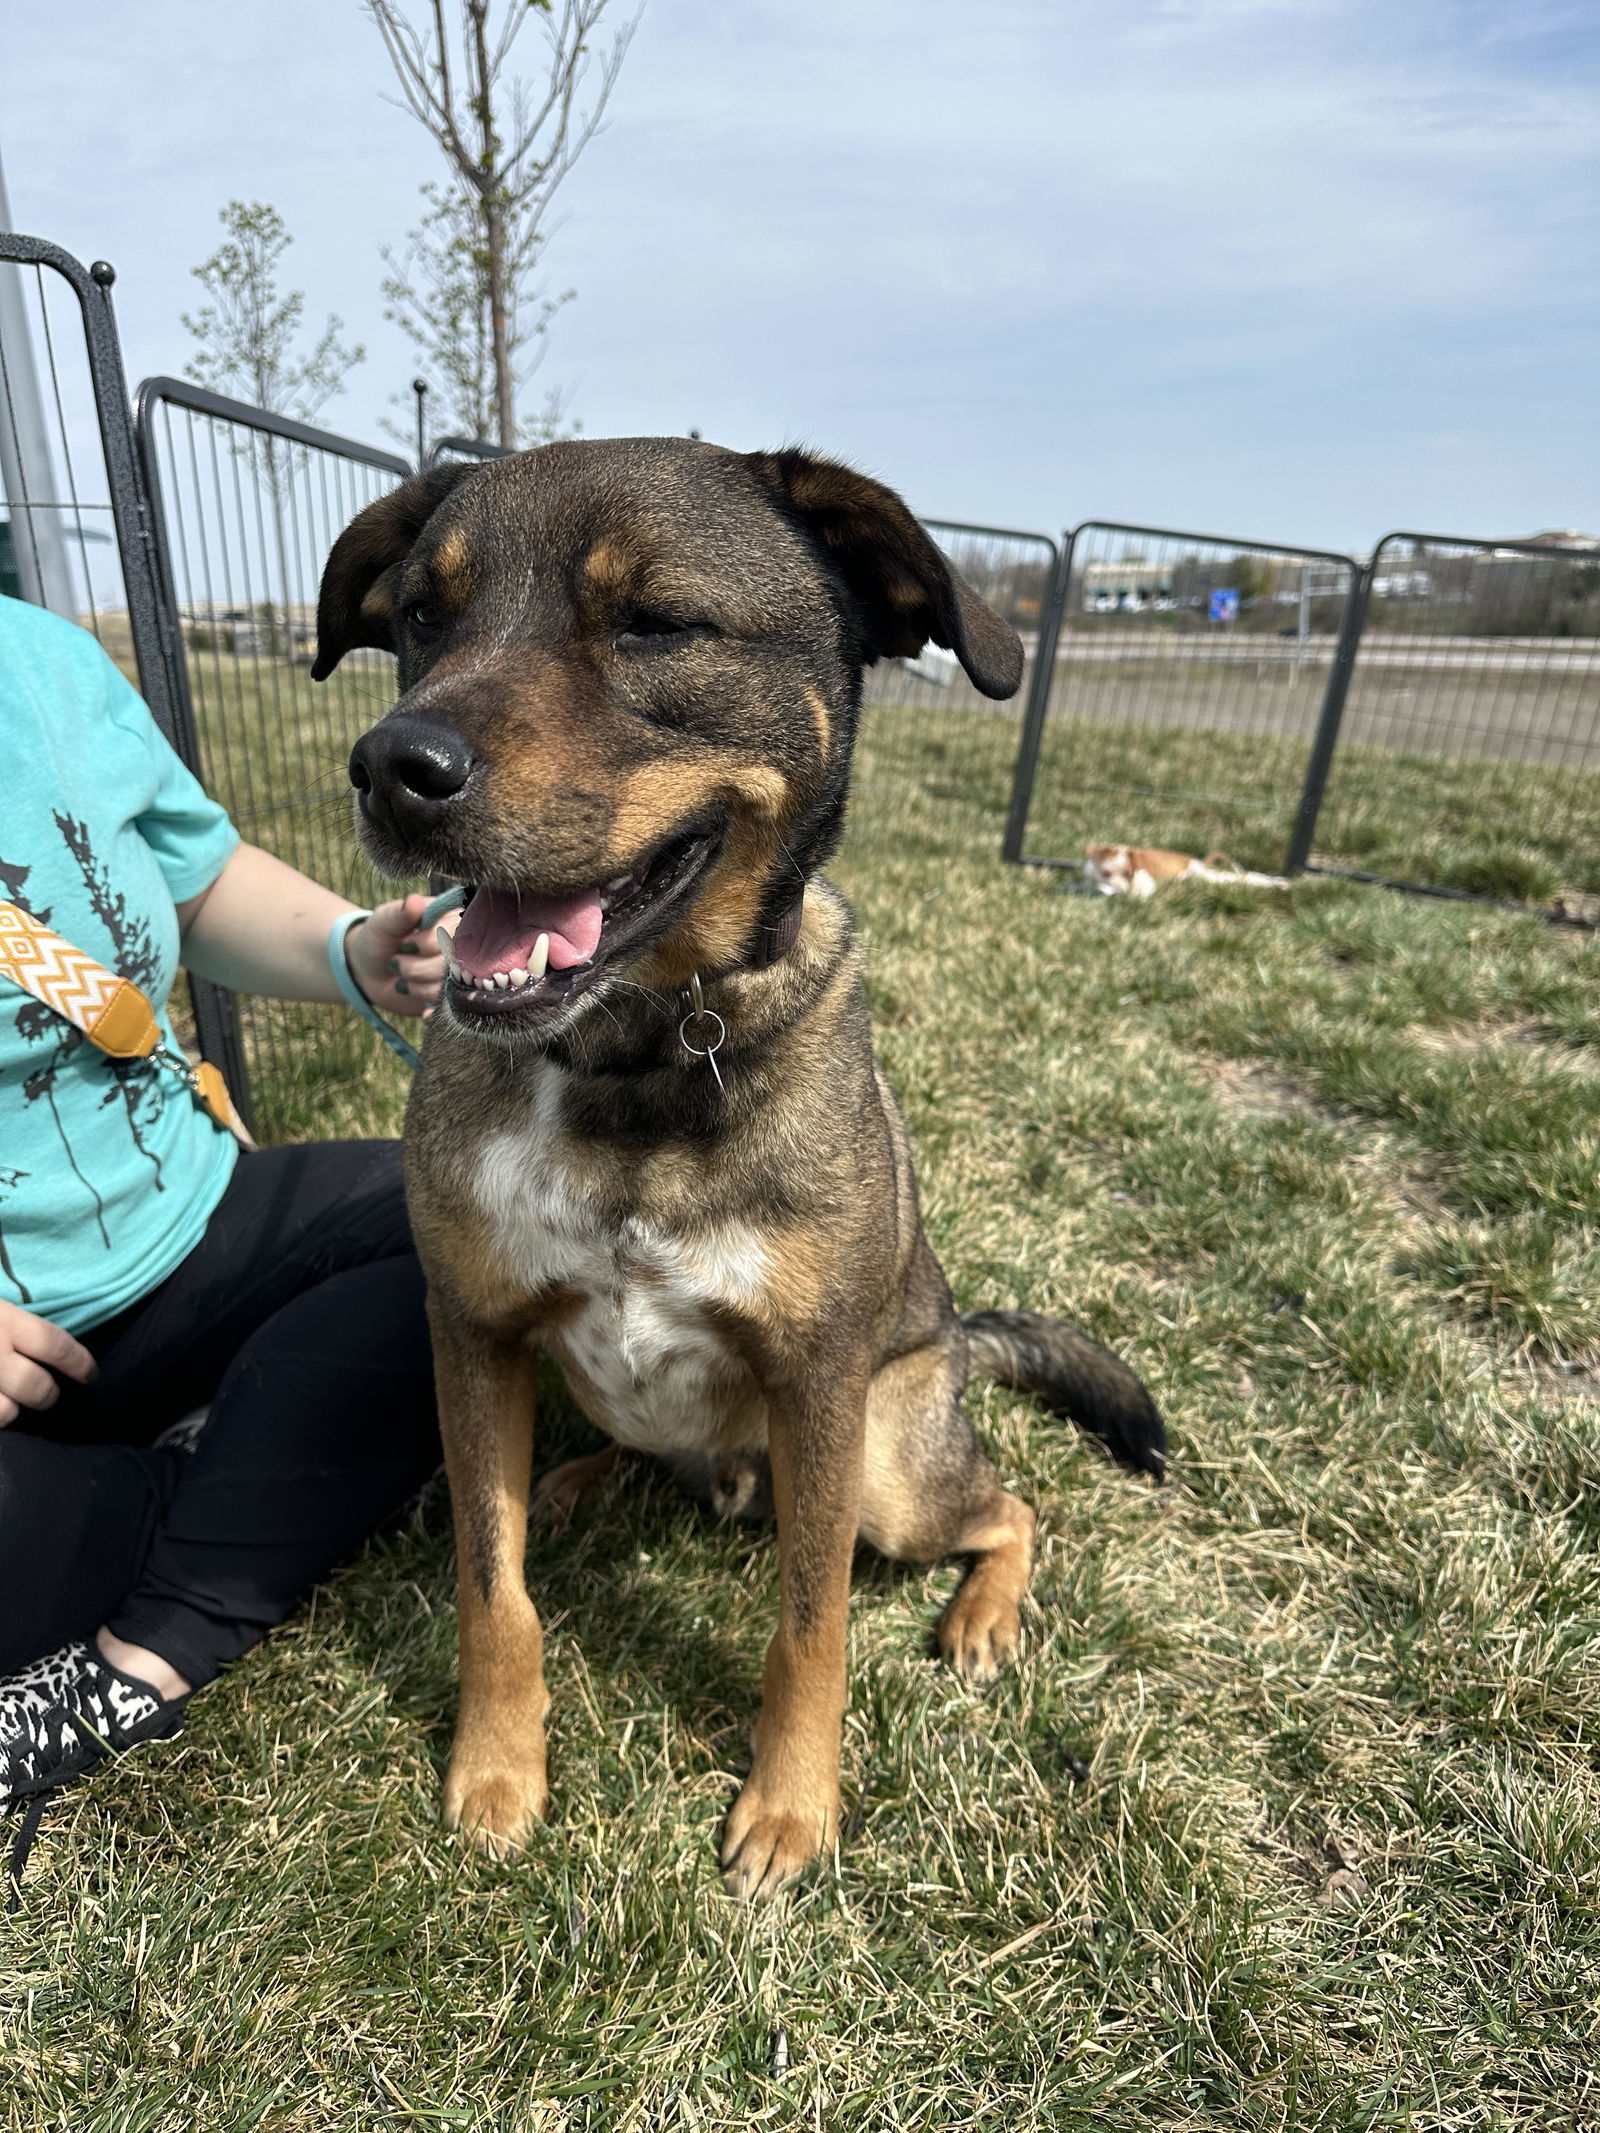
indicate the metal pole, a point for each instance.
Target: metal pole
{"x":26,"y":469}
{"x":1037,"y":707}
{"x":1332,"y":716}
{"x":420,"y":387}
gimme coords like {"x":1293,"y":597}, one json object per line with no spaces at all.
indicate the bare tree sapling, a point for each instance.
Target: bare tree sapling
{"x":466,"y":290}
{"x":249,"y":348}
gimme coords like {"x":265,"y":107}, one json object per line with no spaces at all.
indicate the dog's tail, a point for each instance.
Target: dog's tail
{"x":1070,"y":1375}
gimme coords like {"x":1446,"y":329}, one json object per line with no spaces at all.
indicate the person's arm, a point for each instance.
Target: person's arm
{"x":262,"y":927}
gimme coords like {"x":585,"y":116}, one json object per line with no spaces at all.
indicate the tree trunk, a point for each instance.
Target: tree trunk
{"x":492,"y":207}
{"x":505,"y":384}
{"x":279,"y":474}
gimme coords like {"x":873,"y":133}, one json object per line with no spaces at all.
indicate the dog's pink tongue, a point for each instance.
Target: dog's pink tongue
{"x":499,"y":927}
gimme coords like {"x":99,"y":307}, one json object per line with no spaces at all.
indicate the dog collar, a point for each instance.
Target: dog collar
{"x":774,"y":942}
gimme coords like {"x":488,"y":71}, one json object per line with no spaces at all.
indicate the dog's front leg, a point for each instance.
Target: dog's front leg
{"x":788,"y":1811}
{"x":495,"y":1788}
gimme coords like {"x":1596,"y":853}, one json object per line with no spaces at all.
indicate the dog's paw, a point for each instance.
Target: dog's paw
{"x":980,"y":1632}
{"x":558,"y":1494}
{"x":498,"y":1809}
{"x":769,"y":1838}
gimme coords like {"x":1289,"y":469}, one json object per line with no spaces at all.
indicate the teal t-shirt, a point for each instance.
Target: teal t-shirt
{"x":109,"y":1170}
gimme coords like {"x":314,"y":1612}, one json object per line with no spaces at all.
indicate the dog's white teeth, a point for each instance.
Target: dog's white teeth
{"x":442,"y":935}
{"x":539,"y":961}
{"x":502,"y":979}
{"x":621,"y":882}
{"x":518,"y":977}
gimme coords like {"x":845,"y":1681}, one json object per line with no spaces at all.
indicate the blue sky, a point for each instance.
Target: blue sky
{"x":1301,"y":269}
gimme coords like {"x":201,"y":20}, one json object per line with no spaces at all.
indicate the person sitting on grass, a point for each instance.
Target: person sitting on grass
{"x":150,"y":1268}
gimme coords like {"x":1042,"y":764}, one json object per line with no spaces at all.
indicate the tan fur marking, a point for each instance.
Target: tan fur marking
{"x":719,"y":927}
{"x":655,"y":799}
{"x":452,"y":564}
{"x":801,"y":1261}
{"x":820,"y":718}
{"x":609,"y":564}
{"x":490,"y":1294}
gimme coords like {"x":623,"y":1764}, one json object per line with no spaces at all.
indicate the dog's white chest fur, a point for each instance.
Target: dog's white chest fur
{"x":644,"y":1353}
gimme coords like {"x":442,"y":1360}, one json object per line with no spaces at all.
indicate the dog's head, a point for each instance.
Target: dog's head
{"x":630,"y":676}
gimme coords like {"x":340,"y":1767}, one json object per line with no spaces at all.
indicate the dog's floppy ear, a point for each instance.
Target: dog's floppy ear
{"x":354,"y":606}
{"x":904,"y":589}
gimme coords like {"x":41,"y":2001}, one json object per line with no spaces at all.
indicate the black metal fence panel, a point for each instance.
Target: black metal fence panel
{"x":1468,"y":754}
{"x":930,"y":742}
{"x":75,"y":528}
{"x":1185,"y":692}
{"x":445,"y":450}
{"x":249,"y":504}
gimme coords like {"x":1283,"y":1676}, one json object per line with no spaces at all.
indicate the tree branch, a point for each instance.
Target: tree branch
{"x":471,"y":267}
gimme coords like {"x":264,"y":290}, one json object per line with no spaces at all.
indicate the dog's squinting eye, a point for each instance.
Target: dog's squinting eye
{"x":646,"y":630}
{"x":425,"y":620}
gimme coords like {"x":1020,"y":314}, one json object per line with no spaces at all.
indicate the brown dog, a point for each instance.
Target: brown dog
{"x":648,"y":1134}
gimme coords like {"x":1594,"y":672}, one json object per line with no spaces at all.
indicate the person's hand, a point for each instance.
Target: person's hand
{"x":399,"y":971}
{"x":30,"y":1348}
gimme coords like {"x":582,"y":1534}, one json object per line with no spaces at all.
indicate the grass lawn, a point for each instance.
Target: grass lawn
{"x":1290,"y":1816}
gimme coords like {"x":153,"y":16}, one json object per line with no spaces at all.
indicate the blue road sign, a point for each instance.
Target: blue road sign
{"x":1224,"y":606}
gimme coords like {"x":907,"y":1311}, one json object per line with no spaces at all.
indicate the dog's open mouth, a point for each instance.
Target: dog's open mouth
{"x":517,"y":953}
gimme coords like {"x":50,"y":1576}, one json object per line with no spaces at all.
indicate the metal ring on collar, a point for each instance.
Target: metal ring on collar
{"x":702,"y":1014}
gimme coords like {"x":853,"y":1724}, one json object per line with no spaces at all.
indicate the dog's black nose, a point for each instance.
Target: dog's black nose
{"x":409,"y":770}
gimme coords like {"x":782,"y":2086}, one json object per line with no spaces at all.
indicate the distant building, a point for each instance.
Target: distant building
{"x":1125,"y":587}
{"x":1568,"y":538}
{"x":1548,"y":585}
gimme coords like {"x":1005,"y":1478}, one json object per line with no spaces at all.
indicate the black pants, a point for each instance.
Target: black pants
{"x":299,"y":1317}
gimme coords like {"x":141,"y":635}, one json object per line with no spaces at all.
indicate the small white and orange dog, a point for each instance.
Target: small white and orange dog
{"x":1138,"y":870}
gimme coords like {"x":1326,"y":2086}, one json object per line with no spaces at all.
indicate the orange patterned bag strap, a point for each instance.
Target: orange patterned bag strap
{"x":111,"y":1011}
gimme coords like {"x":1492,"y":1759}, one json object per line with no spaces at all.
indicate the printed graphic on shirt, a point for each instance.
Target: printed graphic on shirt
{"x":134,"y":1084}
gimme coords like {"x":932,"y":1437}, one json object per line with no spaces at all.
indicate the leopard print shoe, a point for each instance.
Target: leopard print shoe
{"x":63,"y":1715}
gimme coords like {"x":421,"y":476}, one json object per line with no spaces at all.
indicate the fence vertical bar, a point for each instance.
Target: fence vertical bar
{"x":216,"y":1009}
{"x":1037,"y":708}
{"x":1320,"y":761}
